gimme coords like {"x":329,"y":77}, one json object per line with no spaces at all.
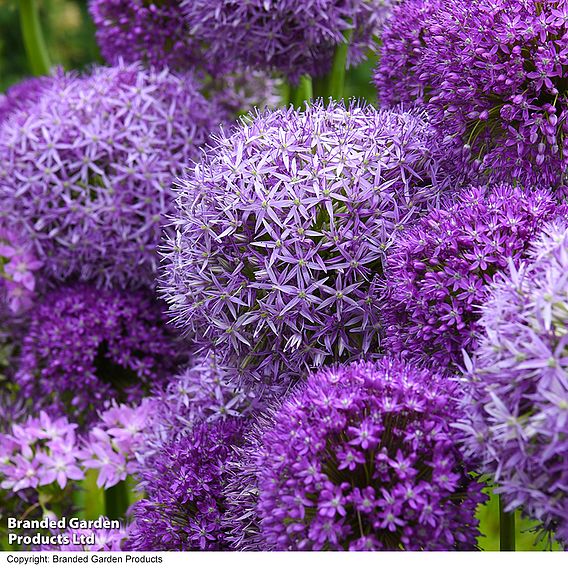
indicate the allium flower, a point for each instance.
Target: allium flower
{"x":152,"y":32}
{"x":184,"y":503}
{"x":438,"y":274}
{"x":403,"y":41}
{"x":359,"y":457}
{"x":17,"y":266}
{"x":88,"y":169}
{"x":85,"y":346}
{"x":111,"y":444}
{"x":517,"y":406}
{"x":494,"y":78}
{"x":22,"y":96}
{"x":39,"y":452}
{"x":105,"y":539}
{"x":282,"y":229}
{"x":292,"y":37}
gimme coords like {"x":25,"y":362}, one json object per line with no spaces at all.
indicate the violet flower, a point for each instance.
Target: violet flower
{"x":282,"y":230}
{"x":86,"y":346}
{"x":438,"y":274}
{"x":360,"y":457}
{"x":516,"y":417}
{"x":88,"y":169}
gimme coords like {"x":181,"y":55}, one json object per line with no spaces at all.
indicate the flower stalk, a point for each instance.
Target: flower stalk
{"x":117,"y":501}
{"x":34,"y":41}
{"x":302,"y":92}
{"x":506,"y":527}
{"x":336,"y":77}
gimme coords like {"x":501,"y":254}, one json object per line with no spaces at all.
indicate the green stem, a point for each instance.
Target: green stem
{"x":302,"y":92}
{"x":33,"y":38}
{"x":336,"y":77}
{"x":506,"y":527}
{"x":116,"y":501}
{"x":90,"y":498}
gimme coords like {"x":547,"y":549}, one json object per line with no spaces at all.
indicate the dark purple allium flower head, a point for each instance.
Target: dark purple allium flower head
{"x":281,"y":231}
{"x":22,"y":96}
{"x":517,"y":406}
{"x":494,"y":76}
{"x":362,"y":457}
{"x":85,"y":347}
{"x":292,"y":37}
{"x":184,"y":501}
{"x":153,"y":32}
{"x":402,"y":45}
{"x":438,"y":274}
{"x":204,"y":392}
{"x":89,"y":168}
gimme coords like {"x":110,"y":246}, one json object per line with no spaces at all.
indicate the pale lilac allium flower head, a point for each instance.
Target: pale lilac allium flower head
{"x":360,"y":457}
{"x":88,"y":170}
{"x":517,"y":403}
{"x":39,"y":452}
{"x":107,"y":540}
{"x":86,"y":346}
{"x":111,"y":443}
{"x":494,"y":78}
{"x":184,"y":502}
{"x":438,"y":274}
{"x":292,"y":37}
{"x":282,"y":229}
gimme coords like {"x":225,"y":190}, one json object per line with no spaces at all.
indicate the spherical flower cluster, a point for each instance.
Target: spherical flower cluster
{"x":85,"y":346}
{"x":517,"y":406}
{"x":282,"y":228}
{"x":363,"y":457}
{"x":78,"y":539}
{"x":494,"y":76}
{"x":292,"y":37}
{"x":39,"y":452}
{"x":111,"y":443}
{"x":185,"y":503}
{"x":153,"y":32}
{"x":88,"y":169}
{"x":22,"y":95}
{"x":17,"y":266}
{"x":438,"y":274}
{"x":396,"y":77}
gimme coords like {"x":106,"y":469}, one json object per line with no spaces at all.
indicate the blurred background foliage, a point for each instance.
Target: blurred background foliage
{"x":69,"y":33}
{"x":70,"y":37}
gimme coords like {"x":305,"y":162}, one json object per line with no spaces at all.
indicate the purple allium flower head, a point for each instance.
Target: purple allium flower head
{"x":88,"y":169}
{"x":184,"y":500}
{"x":402,"y":44}
{"x":22,"y":96}
{"x":85,"y":346}
{"x":17,"y":266}
{"x":111,"y":443}
{"x":153,"y":32}
{"x":360,"y":457}
{"x":74,"y":539}
{"x":438,"y":274}
{"x":493,"y":75}
{"x":517,"y":405}
{"x":281,"y":231}
{"x":39,"y":452}
{"x":292,"y":37}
